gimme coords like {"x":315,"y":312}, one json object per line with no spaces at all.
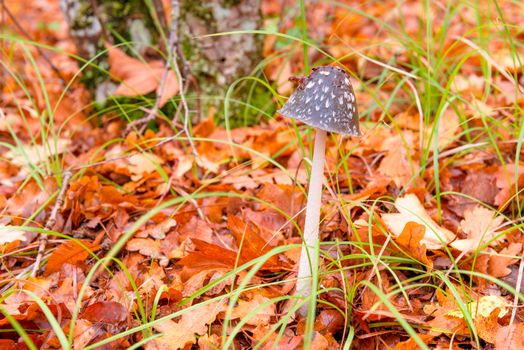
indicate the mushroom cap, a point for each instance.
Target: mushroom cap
{"x":325,"y":100}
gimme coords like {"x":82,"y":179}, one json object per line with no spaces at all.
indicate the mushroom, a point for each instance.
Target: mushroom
{"x":324,"y":100}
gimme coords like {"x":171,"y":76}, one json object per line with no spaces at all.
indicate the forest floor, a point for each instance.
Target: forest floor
{"x":153,"y":244}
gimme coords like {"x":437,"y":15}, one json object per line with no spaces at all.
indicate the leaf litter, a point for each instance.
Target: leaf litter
{"x":382,"y":208}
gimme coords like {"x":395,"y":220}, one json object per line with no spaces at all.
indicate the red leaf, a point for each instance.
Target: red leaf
{"x":105,"y":311}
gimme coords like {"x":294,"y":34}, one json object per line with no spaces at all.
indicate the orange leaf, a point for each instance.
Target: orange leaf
{"x":70,"y":252}
{"x":251,"y":245}
{"x":498,"y":263}
{"x":411,"y":238}
{"x":207,"y":257}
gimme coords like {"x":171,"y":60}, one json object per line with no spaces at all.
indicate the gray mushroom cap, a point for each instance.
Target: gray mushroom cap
{"x":325,"y":100}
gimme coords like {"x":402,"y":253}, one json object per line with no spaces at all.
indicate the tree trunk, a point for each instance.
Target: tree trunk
{"x":213,"y":62}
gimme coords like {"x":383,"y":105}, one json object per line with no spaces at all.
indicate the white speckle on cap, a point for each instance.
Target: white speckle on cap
{"x":340,"y":100}
{"x":346,"y":80}
{"x":327,"y":103}
{"x":317,"y":107}
{"x":324,"y":72}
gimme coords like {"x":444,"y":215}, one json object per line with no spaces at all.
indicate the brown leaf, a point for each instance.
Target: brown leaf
{"x":329,"y":321}
{"x":179,"y":334}
{"x":105,"y":311}
{"x":397,"y":164}
{"x":263,"y":316}
{"x":145,"y":246}
{"x":70,"y":252}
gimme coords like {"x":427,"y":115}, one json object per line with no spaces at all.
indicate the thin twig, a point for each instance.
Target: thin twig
{"x":51,"y":221}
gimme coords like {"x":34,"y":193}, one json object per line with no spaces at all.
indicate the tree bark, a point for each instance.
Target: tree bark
{"x":213,"y":62}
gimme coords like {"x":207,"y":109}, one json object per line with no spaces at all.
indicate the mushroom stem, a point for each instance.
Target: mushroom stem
{"x":309,"y":255}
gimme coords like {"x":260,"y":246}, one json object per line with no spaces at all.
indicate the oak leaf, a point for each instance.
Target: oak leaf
{"x":179,"y":334}
{"x":480,"y":226}
{"x":261,"y":317}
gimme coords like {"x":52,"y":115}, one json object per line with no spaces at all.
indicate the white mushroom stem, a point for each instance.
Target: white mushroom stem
{"x":309,"y":255}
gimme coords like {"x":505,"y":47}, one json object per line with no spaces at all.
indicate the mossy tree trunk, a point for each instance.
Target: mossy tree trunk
{"x":213,"y":62}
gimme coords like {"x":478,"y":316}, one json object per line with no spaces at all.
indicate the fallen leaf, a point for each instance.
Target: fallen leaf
{"x":330,"y":321}
{"x":410,"y":238}
{"x":70,"y":252}
{"x":499,"y":262}
{"x":84,"y":332}
{"x":207,"y":257}
{"x":138,"y":78}
{"x":479,"y":225}
{"x":410,"y":209}
{"x":510,"y":337}
{"x":145,"y":246}
{"x":25,"y":155}
{"x":397,"y":164}
{"x":179,"y":334}
{"x":484,"y":307}
{"x":261,"y":317}
{"x":105,"y":311}
{"x":410,"y":344}
{"x":448,"y":129}
{"x":251,"y":244}
{"x":141,"y":164}
{"x":9,"y":234}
